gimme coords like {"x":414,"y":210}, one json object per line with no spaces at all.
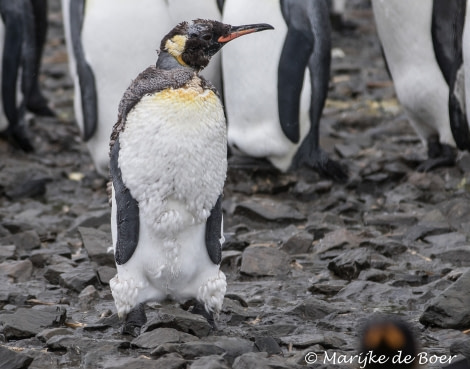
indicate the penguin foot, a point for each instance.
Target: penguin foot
{"x":439,"y":155}
{"x":201,"y":310}
{"x":37,"y":104}
{"x":17,"y":136}
{"x":135,"y":319}
{"x":319,"y":161}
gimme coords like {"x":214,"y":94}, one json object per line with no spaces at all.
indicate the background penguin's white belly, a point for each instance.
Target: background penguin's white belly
{"x":250,"y":84}
{"x":120,"y":39}
{"x":404,"y":28}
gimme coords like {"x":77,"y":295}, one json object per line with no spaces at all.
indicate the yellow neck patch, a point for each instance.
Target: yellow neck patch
{"x":175,"y":46}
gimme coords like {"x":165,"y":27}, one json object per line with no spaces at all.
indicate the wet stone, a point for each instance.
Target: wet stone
{"x":258,"y":360}
{"x":87,"y":298}
{"x":389,"y":220}
{"x":450,"y":308}
{"x":24,"y":241}
{"x":312,"y":309}
{"x":25,"y":323}
{"x":43,"y":256}
{"x":105,"y":273}
{"x":328,"y":288}
{"x":268,"y":345}
{"x":96,"y":243}
{"x":48,"y":333}
{"x":13,"y":360}
{"x":336,"y":239}
{"x":349,"y":264}
{"x":233,"y":346}
{"x":264,"y":261}
{"x":159,"y":336}
{"x":188,"y":350}
{"x":53,"y":272}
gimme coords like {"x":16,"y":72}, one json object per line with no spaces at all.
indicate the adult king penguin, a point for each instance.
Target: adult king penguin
{"x":422,"y":43}
{"x":101,"y":32}
{"x":168,"y":162}
{"x":23,"y":30}
{"x":273,"y":107}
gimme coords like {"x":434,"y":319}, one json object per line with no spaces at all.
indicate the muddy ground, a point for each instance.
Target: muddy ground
{"x":308,"y":261}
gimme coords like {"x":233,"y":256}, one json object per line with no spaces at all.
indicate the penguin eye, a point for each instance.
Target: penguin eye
{"x":207,"y":37}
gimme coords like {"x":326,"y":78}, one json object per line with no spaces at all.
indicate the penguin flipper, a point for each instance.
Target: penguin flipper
{"x":85,"y":73}
{"x":290,"y":79}
{"x":127,"y":212}
{"x":220,"y":5}
{"x":448,"y":20}
{"x":214,"y":232}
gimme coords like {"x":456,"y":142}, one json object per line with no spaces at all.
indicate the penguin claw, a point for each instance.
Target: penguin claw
{"x":201,"y":310}
{"x":135,"y":319}
{"x":439,"y":155}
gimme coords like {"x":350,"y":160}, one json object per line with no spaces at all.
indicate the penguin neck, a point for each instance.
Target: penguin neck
{"x":167,"y":61}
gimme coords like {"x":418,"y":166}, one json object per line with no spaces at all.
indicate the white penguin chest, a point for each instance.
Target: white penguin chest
{"x":173,"y":156}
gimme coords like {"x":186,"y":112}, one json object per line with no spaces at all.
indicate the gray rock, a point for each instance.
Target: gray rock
{"x":181,"y":320}
{"x":78,"y":278}
{"x":389,"y":220}
{"x":268,"y":345}
{"x":53,"y":272}
{"x":7,"y":252}
{"x":328,"y":288}
{"x":20,"y":271}
{"x":87,"y":298}
{"x":447,"y":239}
{"x":44,"y":256}
{"x":312,"y":309}
{"x":300,"y":243}
{"x":96,"y":244}
{"x":13,"y":360}
{"x":269,"y":209}
{"x":258,"y":360}
{"x":51,"y":332}
{"x":209,"y":362}
{"x":170,"y":361}
{"x":188,"y":350}
{"x":92,"y":219}
{"x":159,"y":336}
{"x":450,"y":308}
{"x":24,"y":241}
{"x":349,"y":264}
{"x":25,"y":323}
{"x":105,"y":273}
{"x":264,"y":261}
{"x":336,"y":239}
{"x":233,"y":346}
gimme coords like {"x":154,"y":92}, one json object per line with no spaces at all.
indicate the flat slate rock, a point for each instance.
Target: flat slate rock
{"x":264,"y":261}
{"x":10,"y":359}
{"x":450,"y":309}
{"x":270,"y":209}
{"x":78,"y":278}
{"x":349,"y":264}
{"x":159,"y":336}
{"x":25,"y":323}
{"x":258,"y":360}
{"x":20,"y":271}
{"x":209,"y":362}
{"x":96,"y":243}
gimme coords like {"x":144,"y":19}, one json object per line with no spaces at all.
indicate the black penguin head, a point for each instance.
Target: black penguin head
{"x":193,"y":44}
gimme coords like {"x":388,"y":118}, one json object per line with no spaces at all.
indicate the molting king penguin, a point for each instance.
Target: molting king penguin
{"x":109,"y":42}
{"x":168,"y":162}
{"x":273,"y":106}
{"x":22,"y":37}
{"x":422,"y":44}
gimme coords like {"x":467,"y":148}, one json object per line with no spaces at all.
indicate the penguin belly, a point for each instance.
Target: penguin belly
{"x":404,"y":30}
{"x":188,"y":10}
{"x":466,"y":60}
{"x":119,"y":41}
{"x":250,"y":72}
{"x":173,"y":160}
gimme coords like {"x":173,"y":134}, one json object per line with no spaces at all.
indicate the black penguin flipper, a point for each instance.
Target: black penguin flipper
{"x":213,"y":232}
{"x":448,"y":20}
{"x":85,"y":73}
{"x":296,"y":52}
{"x":127,"y":212}
{"x":35,"y":37}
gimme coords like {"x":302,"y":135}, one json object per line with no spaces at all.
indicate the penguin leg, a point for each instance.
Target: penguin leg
{"x":135,"y":319}
{"x":439,"y":155}
{"x":201,"y":310}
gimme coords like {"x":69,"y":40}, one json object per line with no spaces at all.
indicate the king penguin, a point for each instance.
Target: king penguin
{"x":109,"y":42}
{"x":422,"y":43}
{"x":168,"y":162}
{"x":23,"y":30}
{"x":273,"y":106}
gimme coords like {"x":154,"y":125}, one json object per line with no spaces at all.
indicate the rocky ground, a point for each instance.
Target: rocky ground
{"x":308,"y":261}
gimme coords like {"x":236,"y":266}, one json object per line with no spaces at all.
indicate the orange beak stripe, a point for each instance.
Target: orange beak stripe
{"x":234,"y":35}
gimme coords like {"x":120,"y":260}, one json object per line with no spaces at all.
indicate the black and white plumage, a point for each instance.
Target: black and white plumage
{"x":168,"y":166}
{"x":275,"y":98}
{"x":423,"y":47}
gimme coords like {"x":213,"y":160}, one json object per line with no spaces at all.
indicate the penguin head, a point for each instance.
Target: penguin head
{"x":193,"y":44}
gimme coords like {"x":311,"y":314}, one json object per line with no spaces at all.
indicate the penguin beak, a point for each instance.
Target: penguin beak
{"x":237,"y":31}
